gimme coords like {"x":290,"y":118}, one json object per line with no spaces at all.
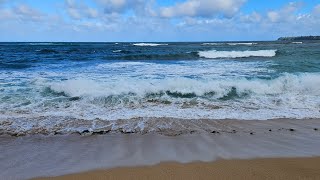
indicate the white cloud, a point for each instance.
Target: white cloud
{"x":143,"y":20}
{"x":316,"y":10}
{"x":251,"y":18}
{"x":273,"y":16}
{"x":287,"y":13}
{"x":203,"y":8}
{"x":119,"y":6}
{"x":80,"y":10}
{"x":113,"y":5}
{"x":25,"y":12}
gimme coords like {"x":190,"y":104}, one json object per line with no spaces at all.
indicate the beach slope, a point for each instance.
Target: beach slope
{"x":272,"y":168}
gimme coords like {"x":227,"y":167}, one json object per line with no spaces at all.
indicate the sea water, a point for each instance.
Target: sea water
{"x":188,"y":80}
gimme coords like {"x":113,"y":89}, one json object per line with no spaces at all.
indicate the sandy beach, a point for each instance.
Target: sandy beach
{"x":33,"y":156}
{"x":273,"y":168}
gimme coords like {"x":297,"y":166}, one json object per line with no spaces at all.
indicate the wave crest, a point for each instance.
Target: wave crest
{"x":184,"y":87}
{"x":247,"y":44}
{"x":213,"y":54}
{"x":149,"y":44}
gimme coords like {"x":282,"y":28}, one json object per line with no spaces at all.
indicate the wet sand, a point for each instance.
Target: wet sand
{"x":276,"y":168}
{"x":34,"y":156}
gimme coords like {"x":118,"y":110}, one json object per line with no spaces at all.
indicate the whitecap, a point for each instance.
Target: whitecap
{"x":213,"y":54}
{"x":149,"y":44}
{"x":210,"y":44}
{"x":117,"y":51}
{"x":247,"y":44}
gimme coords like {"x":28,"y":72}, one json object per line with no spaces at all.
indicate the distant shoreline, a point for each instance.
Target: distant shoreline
{"x":299,"y":38}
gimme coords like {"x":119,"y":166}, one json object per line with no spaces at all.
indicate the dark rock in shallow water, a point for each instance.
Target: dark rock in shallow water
{"x":215,"y":132}
{"x":291,"y":129}
{"x":103,"y":130}
{"x":316,"y":129}
{"x":100,"y":132}
{"x":57,"y":133}
{"x":85,"y":131}
{"x":125,"y":131}
{"x":270,"y":130}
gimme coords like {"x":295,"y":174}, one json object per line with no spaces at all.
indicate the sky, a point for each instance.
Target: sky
{"x":156,"y":20}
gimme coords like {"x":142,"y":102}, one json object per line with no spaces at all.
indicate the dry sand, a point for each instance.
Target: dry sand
{"x":272,"y":168}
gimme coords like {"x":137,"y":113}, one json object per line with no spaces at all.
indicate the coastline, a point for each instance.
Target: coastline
{"x":267,"y":168}
{"x":150,"y":125}
{"x":41,"y":155}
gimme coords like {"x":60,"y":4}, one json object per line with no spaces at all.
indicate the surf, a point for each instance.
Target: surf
{"x":214,"y":54}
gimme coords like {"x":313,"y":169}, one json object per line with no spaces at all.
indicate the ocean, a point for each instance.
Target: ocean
{"x":76,"y":87}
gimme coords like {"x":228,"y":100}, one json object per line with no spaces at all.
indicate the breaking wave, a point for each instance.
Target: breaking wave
{"x":213,"y":54}
{"x":117,"y":51}
{"x":288,"y":96}
{"x":210,"y":44}
{"x":247,"y":44}
{"x":288,"y":83}
{"x":230,"y":44}
{"x":149,"y":44}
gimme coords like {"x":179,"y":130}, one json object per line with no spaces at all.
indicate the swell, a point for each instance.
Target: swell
{"x":214,"y":54}
{"x":181,"y":56}
{"x":50,"y":55}
{"x":149,"y":44}
{"x":211,"y":54}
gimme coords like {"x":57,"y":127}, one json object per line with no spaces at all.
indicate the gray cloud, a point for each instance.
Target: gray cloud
{"x":203,"y":8}
{"x":138,"y":7}
{"x":118,"y":6}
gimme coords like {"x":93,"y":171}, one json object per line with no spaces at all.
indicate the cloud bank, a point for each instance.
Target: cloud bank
{"x":152,"y":20}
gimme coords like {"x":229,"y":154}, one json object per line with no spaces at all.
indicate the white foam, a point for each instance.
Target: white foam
{"x":305,"y":84}
{"x":210,"y":44}
{"x":149,"y":44}
{"x":247,"y":44}
{"x":291,"y":96}
{"x":116,"y":51}
{"x":297,"y":42}
{"x":120,"y":90}
{"x":41,"y":44}
{"x":213,"y":54}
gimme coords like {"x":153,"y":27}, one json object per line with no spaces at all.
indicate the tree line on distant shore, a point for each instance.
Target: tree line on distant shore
{"x":299,"y":38}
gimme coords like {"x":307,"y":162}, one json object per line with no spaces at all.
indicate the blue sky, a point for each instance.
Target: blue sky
{"x":156,"y":20}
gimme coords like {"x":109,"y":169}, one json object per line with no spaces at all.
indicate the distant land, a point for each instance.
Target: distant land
{"x":299,"y":38}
